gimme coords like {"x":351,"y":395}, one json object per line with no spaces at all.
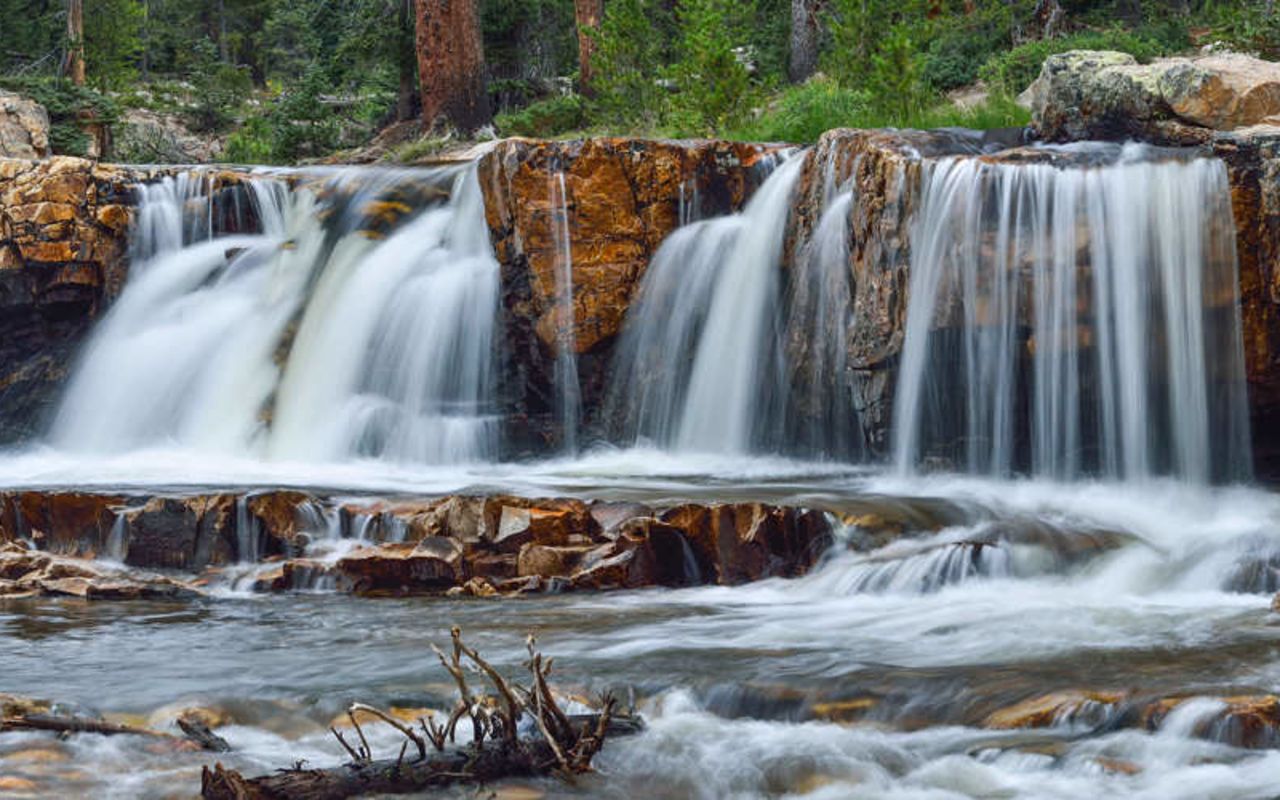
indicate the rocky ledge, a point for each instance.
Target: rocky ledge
{"x":483,"y":546}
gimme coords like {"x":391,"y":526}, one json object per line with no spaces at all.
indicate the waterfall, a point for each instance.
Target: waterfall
{"x":819,"y":315}
{"x":699,"y":364}
{"x":346,"y":325}
{"x":568,"y":388}
{"x":1074,"y":321}
{"x":393,"y":357}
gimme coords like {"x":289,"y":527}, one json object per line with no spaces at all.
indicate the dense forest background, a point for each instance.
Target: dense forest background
{"x":285,"y":80}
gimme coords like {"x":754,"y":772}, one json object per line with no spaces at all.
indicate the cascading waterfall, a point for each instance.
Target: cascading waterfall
{"x":700,"y":360}
{"x":393,"y":356}
{"x":313,"y":338}
{"x":820,"y":310}
{"x":1074,"y":321}
{"x":568,"y":388}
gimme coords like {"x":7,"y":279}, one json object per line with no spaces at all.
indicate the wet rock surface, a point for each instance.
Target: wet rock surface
{"x":31,"y":573}
{"x":63,"y":243}
{"x":621,"y":198}
{"x":471,"y":545}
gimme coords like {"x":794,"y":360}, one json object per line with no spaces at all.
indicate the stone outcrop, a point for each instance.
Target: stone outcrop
{"x":1084,"y":95}
{"x":63,"y":241}
{"x":622,"y":197}
{"x":24,"y":127}
{"x":477,"y":545}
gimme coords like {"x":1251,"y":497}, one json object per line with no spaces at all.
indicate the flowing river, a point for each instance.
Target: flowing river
{"x":1100,"y":626}
{"x":909,"y":651}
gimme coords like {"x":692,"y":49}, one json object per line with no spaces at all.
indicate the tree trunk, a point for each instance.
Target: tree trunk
{"x":73,"y":66}
{"x":804,"y":39}
{"x":589,"y":13}
{"x":451,"y":73}
{"x":407,"y":63}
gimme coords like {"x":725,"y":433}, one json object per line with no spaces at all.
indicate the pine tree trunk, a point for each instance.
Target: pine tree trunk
{"x":407,"y":63}
{"x":73,"y":67}
{"x":451,"y":72}
{"x":589,"y":14}
{"x":804,"y":39}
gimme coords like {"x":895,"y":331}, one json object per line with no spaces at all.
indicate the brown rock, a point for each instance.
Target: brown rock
{"x":550,"y":562}
{"x":622,"y":198}
{"x":1046,"y":710}
{"x":433,"y":564}
{"x":68,"y":523}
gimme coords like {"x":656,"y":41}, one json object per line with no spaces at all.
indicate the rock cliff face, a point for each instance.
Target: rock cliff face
{"x":621,"y":198}
{"x":63,"y":232}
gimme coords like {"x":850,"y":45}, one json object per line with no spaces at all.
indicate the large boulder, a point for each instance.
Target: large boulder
{"x":24,"y":127}
{"x":1086,"y":94}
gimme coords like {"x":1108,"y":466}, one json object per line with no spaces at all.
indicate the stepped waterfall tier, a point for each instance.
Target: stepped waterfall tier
{"x":1095,"y":324}
{"x":907,"y":464}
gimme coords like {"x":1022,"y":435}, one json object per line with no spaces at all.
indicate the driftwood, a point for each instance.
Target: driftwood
{"x":193,"y":730}
{"x":560,"y":744}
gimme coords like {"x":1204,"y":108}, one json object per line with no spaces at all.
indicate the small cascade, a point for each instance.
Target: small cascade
{"x":393,"y":357}
{"x":699,"y":365}
{"x":117,"y":548}
{"x":248,"y":533}
{"x":1078,"y":320}
{"x":819,"y":315}
{"x":357,"y":319}
{"x":569,"y":389}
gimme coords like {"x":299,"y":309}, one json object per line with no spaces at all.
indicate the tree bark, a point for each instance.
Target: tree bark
{"x":73,"y":66}
{"x":589,"y":13}
{"x":451,"y":72}
{"x":805,"y":32}
{"x":407,"y":62}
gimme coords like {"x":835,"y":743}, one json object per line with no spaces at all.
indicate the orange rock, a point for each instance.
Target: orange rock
{"x":1049,"y":709}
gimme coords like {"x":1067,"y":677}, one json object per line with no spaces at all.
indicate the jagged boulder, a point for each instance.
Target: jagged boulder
{"x":24,"y":127}
{"x":1086,"y":94}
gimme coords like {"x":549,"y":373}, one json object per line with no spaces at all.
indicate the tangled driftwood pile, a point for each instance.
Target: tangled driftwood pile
{"x":555,"y":744}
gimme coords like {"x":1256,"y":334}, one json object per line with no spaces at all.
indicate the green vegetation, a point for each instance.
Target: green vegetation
{"x":281,"y":81}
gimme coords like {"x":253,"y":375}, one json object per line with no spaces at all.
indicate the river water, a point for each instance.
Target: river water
{"x":1089,"y":586}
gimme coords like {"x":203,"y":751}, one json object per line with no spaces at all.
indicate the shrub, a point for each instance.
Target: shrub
{"x":544,"y":119}
{"x":66,"y":104}
{"x":1013,"y":71}
{"x":629,"y":55}
{"x":803,"y":113}
{"x":715,"y":86}
{"x":218,"y":88}
{"x":955,"y":54}
{"x":251,"y":143}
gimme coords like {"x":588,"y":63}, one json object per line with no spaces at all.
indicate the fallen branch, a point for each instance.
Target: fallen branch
{"x":563,"y":745}
{"x":193,"y":730}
